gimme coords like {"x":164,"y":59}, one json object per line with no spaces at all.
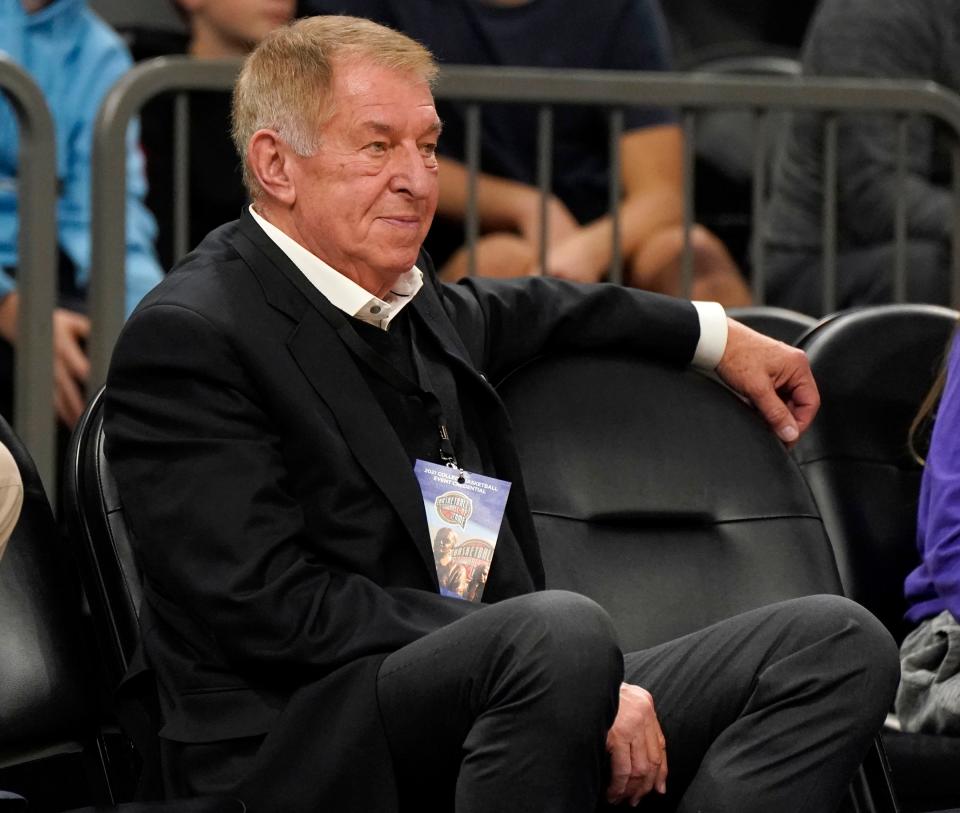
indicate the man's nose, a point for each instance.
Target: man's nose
{"x":411,"y":172}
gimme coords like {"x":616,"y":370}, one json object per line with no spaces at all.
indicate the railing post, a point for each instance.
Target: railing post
{"x":33,"y":414}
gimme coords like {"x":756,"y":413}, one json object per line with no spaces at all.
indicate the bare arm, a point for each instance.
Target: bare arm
{"x":651,"y":160}
{"x":502,"y":204}
{"x":71,"y":368}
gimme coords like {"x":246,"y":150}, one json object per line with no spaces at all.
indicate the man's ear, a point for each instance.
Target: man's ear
{"x":270,"y":160}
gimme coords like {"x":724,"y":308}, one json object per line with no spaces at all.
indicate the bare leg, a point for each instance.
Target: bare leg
{"x":656,"y":267}
{"x":498,"y":255}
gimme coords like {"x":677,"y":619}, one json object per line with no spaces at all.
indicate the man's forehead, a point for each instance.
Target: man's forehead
{"x":365,"y":81}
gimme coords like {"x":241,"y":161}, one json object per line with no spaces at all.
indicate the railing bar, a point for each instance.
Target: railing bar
{"x":544,"y":176}
{"x":472,"y":223}
{"x":477,"y":85}
{"x":761,"y":126}
{"x":181,"y":175}
{"x":615,"y":118}
{"x":829,"y":254}
{"x":900,"y":215}
{"x":689,"y":147}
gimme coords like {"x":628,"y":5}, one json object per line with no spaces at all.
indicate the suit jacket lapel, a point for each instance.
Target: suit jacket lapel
{"x":333,"y":373}
{"x":429,"y":310}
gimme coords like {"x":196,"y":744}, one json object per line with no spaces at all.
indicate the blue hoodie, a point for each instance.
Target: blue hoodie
{"x":75,"y":58}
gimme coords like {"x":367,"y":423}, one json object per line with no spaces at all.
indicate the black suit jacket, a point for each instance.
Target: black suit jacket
{"x":274,"y":511}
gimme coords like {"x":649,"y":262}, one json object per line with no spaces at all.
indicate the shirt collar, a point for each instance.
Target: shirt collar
{"x":344,"y":293}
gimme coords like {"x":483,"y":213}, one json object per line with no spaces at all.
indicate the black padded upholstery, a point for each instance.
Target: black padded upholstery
{"x":660,"y":495}
{"x":874,"y":366}
{"x":778,"y":323}
{"x":98,"y":529}
{"x":657,"y":493}
{"x":46,"y":703}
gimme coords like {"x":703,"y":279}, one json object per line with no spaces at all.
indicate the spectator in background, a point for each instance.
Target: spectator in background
{"x":705,"y":29}
{"x":218,"y":29}
{"x":890,"y":39}
{"x":618,"y":34}
{"x":75,"y":58}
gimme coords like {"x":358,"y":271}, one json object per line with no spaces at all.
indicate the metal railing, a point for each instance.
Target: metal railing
{"x":611,"y":90}
{"x":33,"y":415}
{"x":108,"y":248}
{"x":694,"y":92}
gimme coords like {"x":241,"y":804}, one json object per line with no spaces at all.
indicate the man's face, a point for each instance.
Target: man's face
{"x":365,"y":201}
{"x":242,"y":23}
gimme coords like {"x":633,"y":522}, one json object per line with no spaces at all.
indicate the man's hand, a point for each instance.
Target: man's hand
{"x":638,"y":750}
{"x":71,"y":368}
{"x":560,"y":223}
{"x":583,"y":256}
{"x":774,"y":377}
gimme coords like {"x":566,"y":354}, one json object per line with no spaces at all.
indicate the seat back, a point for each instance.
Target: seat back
{"x":98,"y":529}
{"x":873,"y":366}
{"x":47,"y":708}
{"x":782,"y":324}
{"x":657,"y":493}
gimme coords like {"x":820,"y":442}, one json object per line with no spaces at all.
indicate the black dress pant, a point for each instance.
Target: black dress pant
{"x":507,"y":709}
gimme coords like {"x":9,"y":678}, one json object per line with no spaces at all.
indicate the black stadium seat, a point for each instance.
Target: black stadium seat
{"x":50,"y":749}
{"x":778,"y":323}
{"x":874,"y":366}
{"x":661,"y":496}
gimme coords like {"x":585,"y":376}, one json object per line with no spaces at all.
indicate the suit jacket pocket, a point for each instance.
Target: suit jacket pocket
{"x":211,"y":715}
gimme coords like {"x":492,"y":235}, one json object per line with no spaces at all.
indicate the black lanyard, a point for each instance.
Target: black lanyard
{"x":397,"y":379}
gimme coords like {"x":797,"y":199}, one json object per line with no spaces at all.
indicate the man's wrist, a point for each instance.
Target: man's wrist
{"x":713,"y":335}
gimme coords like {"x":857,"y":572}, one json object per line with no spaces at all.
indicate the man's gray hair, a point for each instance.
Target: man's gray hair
{"x":286,"y":81}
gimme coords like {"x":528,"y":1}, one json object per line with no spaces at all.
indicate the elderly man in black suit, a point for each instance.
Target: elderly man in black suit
{"x":266,"y":406}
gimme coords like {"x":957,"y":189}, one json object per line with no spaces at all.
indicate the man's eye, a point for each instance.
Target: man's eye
{"x":429,"y":150}
{"x":376,"y":148}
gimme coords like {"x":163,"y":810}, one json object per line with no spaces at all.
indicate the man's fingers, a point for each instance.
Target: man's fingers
{"x":74,"y":361}
{"x":71,"y":367}
{"x":69,"y":329}
{"x":804,"y":402}
{"x":621,"y":765}
{"x":776,"y":413}
{"x":68,"y":396}
{"x":649,"y":758}
{"x":660,"y":782}
{"x":78,"y":324}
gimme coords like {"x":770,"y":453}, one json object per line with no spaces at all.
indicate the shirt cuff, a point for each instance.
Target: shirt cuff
{"x":713,"y":335}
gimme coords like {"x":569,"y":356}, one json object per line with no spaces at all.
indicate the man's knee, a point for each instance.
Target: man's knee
{"x":568,"y":629}
{"x":563,"y":645}
{"x":862,"y":652}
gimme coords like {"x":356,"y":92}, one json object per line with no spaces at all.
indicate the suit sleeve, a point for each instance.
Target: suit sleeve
{"x":505,"y":323}
{"x":219,"y":533}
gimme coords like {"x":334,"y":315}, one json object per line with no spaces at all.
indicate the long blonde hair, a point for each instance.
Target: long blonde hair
{"x":285,"y":84}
